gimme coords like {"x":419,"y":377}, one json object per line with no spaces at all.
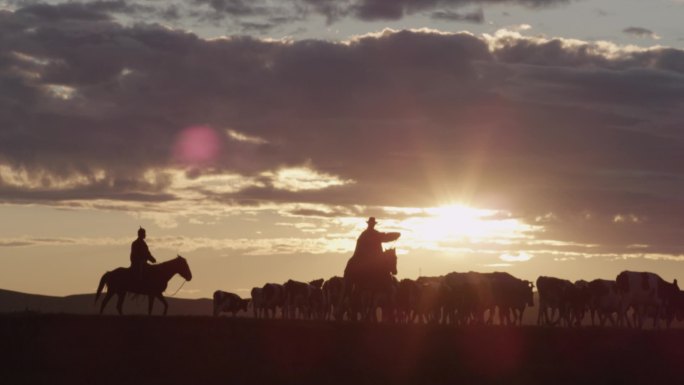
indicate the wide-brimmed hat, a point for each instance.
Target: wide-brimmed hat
{"x":371,"y":220}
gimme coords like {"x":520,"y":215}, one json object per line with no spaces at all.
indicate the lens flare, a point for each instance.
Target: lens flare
{"x":197,"y":145}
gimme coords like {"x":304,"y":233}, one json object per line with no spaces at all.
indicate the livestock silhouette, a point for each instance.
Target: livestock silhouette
{"x":646,"y":294}
{"x":124,"y":280}
{"x":471,"y":298}
{"x":257,"y":295}
{"x":229,"y":302}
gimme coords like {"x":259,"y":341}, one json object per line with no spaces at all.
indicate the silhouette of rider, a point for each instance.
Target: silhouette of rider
{"x":369,"y":246}
{"x":140,"y":254}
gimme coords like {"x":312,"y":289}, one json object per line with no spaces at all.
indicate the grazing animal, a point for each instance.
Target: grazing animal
{"x":553,"y":296}
{"x":474,"y":297}
{"x":229,"y":303}
{"x":332,"y":295}
{"x":316,"y":300}
{"x":511,"y":296}
{"x":122,"y":280}
{"x":303,"y":299}
{"x":257,"y":294}
{"x":604,"y":301}
{"x":576,"y":303}
{"x":645,"y":293}
{"x":427,"y":301}
{"x":273,"y":299}
{"x":406,"y":298}
{"x":468,"y":297}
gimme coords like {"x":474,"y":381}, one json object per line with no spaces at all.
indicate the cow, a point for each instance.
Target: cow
{"x":511,"y":296}
{"x":229,"y":302}
{"x":467,"y":297}
{"x":305,"y":299}
{"x":576,"y":303}
{"x":676,"y":308}
{"x":645,"y":293}
{"x":428,"y":300}
{"x":316,"y":299}
{"x":405,"y":299}
{"x":385,"y":300}
{"x":332,"y":295}
{"x":273,"y":295}
{"x":258,"y":302}
{"x":553,"y":296}
{"x":604,"y":301}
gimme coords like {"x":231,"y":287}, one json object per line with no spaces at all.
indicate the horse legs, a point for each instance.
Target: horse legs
{"x":106,"y":299}
{"x":163,"y":301}
{"x":120,"y":301}
{"x":150,"y":304}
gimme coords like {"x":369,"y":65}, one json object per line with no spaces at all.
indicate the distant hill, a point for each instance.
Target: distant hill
{"x":13,"y":302}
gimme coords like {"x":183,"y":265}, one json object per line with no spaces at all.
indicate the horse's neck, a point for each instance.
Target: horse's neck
{"x":167,"y":269}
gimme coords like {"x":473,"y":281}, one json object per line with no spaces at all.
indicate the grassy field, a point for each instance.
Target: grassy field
{"x":80,"y":349}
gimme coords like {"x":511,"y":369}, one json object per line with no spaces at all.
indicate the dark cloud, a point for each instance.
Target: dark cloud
{"x":473,"y":17}
{"x":15,"y":243}
{"x":640,"y":32}
{"x":266,"y":15}
{"x":370,"y":10}
{"x":88,"y":109}
{"x":234,"y":7}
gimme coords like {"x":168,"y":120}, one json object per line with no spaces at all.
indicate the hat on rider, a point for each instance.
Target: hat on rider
{"x":141,"y":231}
{"x":371,"y":220}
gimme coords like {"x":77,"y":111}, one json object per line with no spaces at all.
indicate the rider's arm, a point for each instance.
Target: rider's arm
{"x":149,"y":255}
{"x":389,"y":237}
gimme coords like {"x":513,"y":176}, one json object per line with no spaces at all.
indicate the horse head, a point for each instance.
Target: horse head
{"x":184,"y":268}
{"x":391,"y":258}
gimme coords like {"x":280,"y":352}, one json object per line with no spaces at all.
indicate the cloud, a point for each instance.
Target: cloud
{"x":520,"y":257}
{"x":263,"y":16}
{"x":473,"y":17}
{"x":371,"y":10}
{"x":641,"y":32}
{"x":581,"y":132}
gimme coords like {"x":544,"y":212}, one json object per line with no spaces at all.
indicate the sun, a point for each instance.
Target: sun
{"x":456,"y":222}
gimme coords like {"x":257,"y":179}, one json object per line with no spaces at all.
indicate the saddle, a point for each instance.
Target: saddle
{"x":139,"y":276}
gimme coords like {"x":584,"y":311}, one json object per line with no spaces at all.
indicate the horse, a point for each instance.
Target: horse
{"x":367,"y":281}
{"x":122,"y":280}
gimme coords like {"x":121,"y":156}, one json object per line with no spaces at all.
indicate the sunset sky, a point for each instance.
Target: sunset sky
{"x":255,"y":137}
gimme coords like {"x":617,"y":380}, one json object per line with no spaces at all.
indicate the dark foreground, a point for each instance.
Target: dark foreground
{"x":68,"y":349}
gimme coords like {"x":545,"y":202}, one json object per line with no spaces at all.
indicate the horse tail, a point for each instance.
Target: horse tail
{"x":103,"y":282}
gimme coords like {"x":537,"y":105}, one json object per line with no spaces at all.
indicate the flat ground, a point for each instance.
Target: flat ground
{"x":72,"y":349}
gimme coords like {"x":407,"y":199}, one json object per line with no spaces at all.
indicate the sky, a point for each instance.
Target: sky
{"x":255,"y":138}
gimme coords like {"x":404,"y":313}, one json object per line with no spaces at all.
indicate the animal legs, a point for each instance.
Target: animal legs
{"x":106,"y":299}
{"x":120,"y":301}
{"x":163,"y":301}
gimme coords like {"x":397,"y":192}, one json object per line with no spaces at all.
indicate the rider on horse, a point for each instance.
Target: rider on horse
{"x":368,"y":250}
{"x":140,"y":254}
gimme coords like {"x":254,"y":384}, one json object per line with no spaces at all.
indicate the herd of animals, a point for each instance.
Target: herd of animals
{"x":470,"y":298}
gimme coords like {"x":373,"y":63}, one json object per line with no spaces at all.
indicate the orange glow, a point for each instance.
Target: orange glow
{"x":463,"y":223}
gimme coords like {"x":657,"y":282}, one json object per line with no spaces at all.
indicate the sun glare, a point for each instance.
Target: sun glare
{"x":454,"y":223}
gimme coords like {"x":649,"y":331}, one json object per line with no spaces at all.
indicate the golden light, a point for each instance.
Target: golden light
{"x":461,"y":223}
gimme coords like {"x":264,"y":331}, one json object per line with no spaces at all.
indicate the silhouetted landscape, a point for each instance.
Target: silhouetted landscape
{"x":362,"y":191}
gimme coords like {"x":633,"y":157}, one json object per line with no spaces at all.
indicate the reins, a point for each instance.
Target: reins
{"x":176,"y":292}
